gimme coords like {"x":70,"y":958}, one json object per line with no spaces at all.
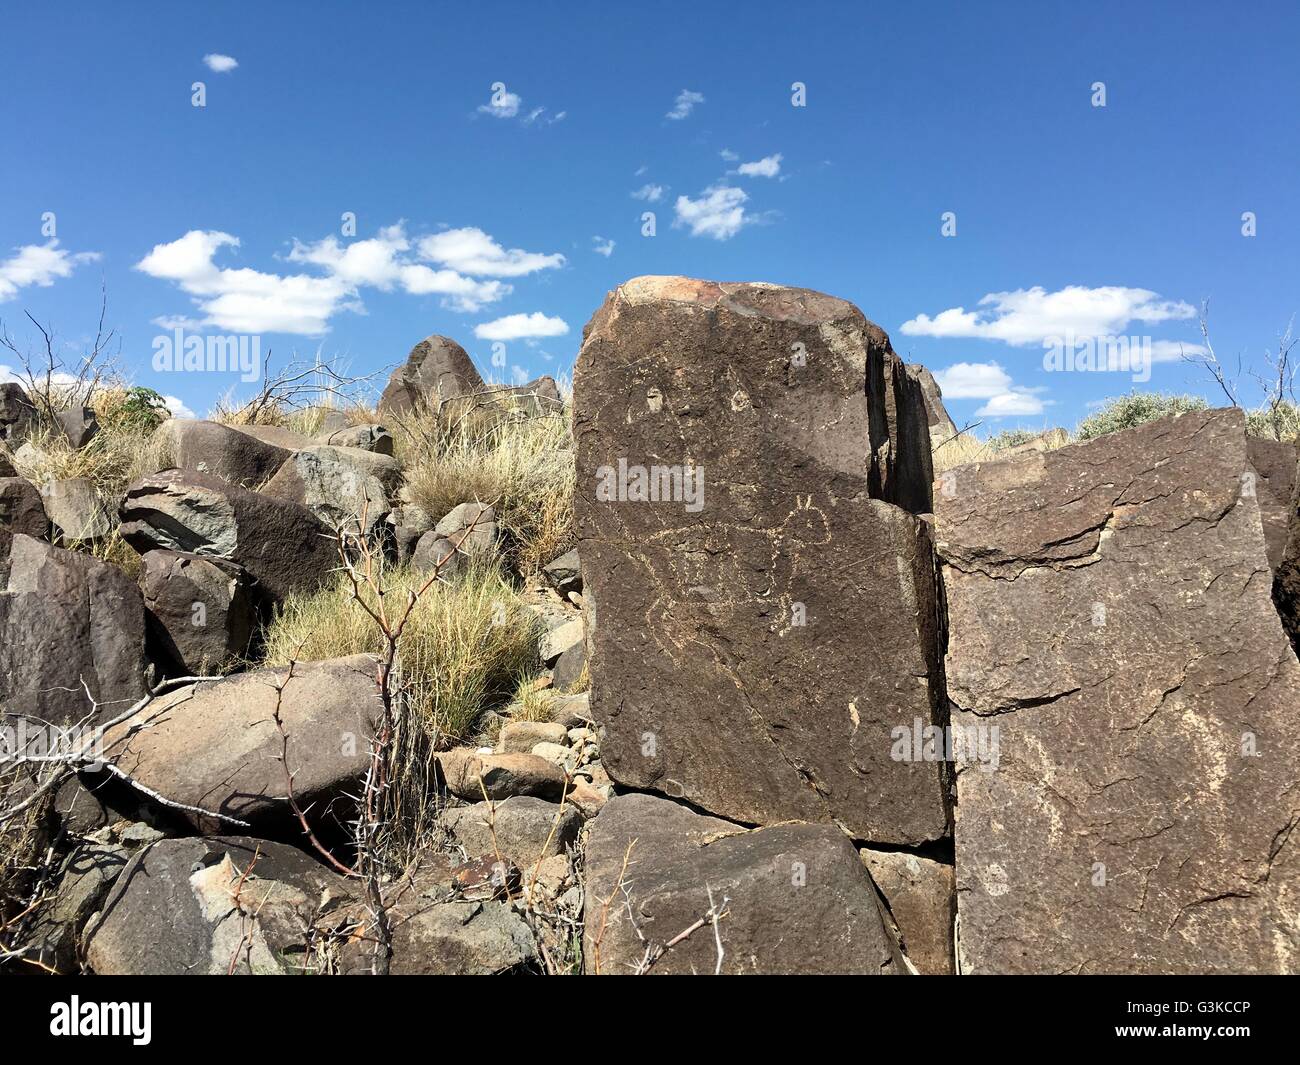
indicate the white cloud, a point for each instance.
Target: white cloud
{"x":650,"y":193}
{"x":519,"y":326}
{"x":729,"y":155}
{"x":502,"y":104}
{"x":972,"y":380}
{"x":221,"y":64}
{"x":768,"y":166}
{"x":718,"y":213}
{"x":39,"y":264}
{"x":471,"y":251}
{"x":989,"y":382}
{"x":178,"y":408}
{"x":252,"y":301}
{"x":1017,"y":403}
{"x":1030,"y":316}
{"x":685,"y":104}
{"x":601,"y":246}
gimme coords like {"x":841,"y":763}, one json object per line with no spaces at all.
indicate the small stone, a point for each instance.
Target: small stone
{"x":520,"y":737}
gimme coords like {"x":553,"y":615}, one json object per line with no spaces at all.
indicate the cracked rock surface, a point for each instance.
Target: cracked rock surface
{"x":1110,"y":614}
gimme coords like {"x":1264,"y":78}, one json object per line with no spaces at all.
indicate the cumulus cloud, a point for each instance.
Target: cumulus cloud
{"x":178,"y":408}
{"x":601,"y":246}
{"x":651,"y":193}
{"x":471,"y":251}
{"x":466,"y":264}
{"x":768,"y":166}
{"x":718,"y":213}
{"x":220,"y":64}
{"x":520,"y":326}
{"x":1030,"y":316}
{"x":685,"y":104}
{"x":40,"y":265}
{"x":990,"y":382}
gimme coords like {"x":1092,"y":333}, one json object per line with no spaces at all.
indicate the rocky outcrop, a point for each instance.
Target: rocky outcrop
{"x":437,"y":368}
{"x":919,"y":895}
{"x":71,"y":631}
{"x":940,"y":426}
{"x":797,"y":898}
{"x":339,"y":484}
{"x":201,"y":610}
{"x":766,"y":611}
{"x":216,"y":746}
{"x":1115,"y":651}
{"x":364,"y":437}
{"x":219,"y":451}
{"x":282,"y":545}
{"x":21,"y":508}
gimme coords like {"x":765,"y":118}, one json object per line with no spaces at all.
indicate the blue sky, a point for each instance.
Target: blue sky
{"x":488,"y":215}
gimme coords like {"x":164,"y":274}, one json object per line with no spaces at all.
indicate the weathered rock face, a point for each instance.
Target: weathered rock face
{"x":920,"y":897}
{"x":75,"y":508}
{"x":436,"y":367}
{"x":941,"y":427}
{"x":366,"y":437}
{"x":764,"y":627}
{"x":472,"y":527}
{"x":1286,"y":577}
{"x":6,"y":466}
{"x":282,"y":545}
{"x":201,"y":610}
{"x":79,"y":425}
{"x":1274,"y":466}
{"x":521,"y":829}
{"x":1110,"y":615}
{"x":21,"y":508}
{"x":216,"y":746}
{"x":17,"y":415}
{"x":66,"y":619}
{"x":338,"y":484}
{"x":185,"y":907}
{"x":219,"y":450}
{"x":800,"y":899}
{"x":565,"y":573}
{"x":470,"y":776}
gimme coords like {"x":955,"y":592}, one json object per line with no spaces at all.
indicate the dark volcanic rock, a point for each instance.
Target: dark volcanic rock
{"x":921,"y":899}
{"x":22,"y":509}
{"x":66,"y":619}
{"x":565,"y":573}
{"x":79,"y":425}
{"x":941,"y":426}
{"x":1110,"y":615}
{"x":17,"y":415}
{"x":201,"y":609}
{"x":215,"y":745}
{"x":800,"y":900}
{"x":437,"y":367}
{"x":1274,"y":485}
{"x":283,"y":545}
{"x":220,"y":450}
{"x":765,"y":626}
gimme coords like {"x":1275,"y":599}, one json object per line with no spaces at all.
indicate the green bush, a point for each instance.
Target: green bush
{"x":1275,"y":423}
{"x":1010,"y":438}
{"x":1136,"y":408}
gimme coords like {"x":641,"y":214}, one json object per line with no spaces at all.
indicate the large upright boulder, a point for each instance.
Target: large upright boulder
{"x":76,"y":509}
{"x":1114,"y":646}
{"x":21,"y":508}
{"x":215,"y":745}
{"x":283,"y":545}
{"x":219,"y":450}
{"x":797,"y":898}
{"x":17,"y":415}
{"x":766,"y":614}
{"x":201,"y":610}
{"x":69,"y":625}
{"x":437,"y":368}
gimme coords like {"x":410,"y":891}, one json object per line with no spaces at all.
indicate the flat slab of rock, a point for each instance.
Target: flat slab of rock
{"x":800,"y":898}
{"x":469,"y":775}
{"x":215,"y":745}
{"x":207,"y":447}
{"x":1110,"y":615}
{"x":67,"y":620}
{"x":764,"y":626}
{"x":282,"y":545}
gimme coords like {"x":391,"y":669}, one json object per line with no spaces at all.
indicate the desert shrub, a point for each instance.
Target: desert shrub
{"x":1010,"y":438}
{"x":468,"y":643}
{"x":1136,"y":408}
{"x":1280,"y":422}
{"x":521,"y":464}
